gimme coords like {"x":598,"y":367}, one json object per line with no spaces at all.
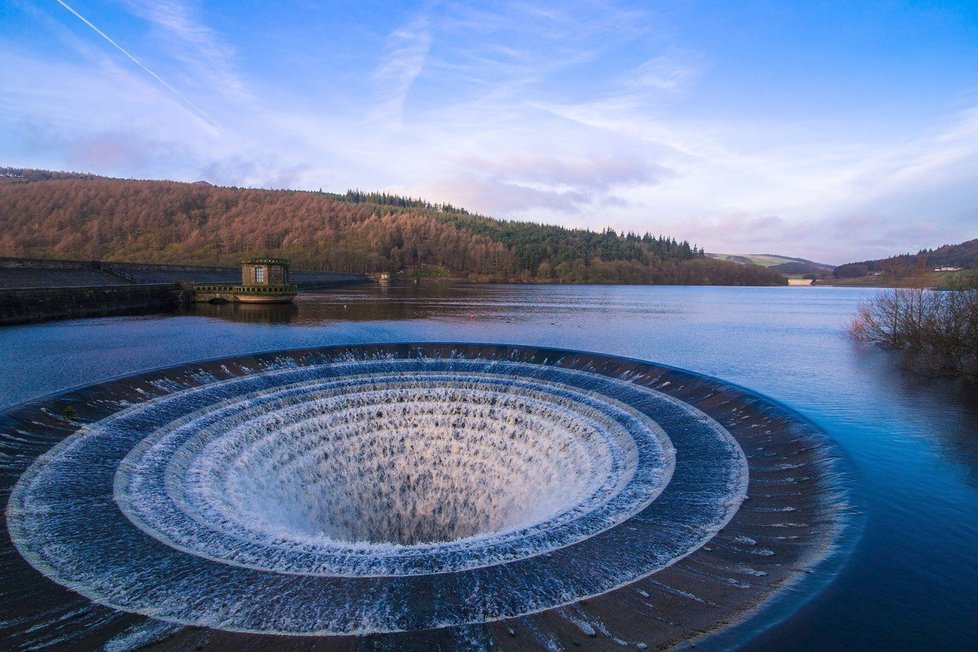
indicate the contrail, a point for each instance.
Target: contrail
{"x":138,"y":63}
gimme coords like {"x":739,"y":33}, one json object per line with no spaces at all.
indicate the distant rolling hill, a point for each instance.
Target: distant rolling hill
{"x":963,"y":256}
{"x":783,"y":264}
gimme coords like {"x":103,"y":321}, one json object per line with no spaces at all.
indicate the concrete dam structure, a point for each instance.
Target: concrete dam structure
{"x":33,"y":290}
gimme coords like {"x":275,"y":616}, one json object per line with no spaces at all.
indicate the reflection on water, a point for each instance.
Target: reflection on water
{"x":958,"y":431}
{"x":439,"y":300}
{"x":248,"y":313}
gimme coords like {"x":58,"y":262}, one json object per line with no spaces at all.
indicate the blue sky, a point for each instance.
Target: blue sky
{"x":833,"y":131}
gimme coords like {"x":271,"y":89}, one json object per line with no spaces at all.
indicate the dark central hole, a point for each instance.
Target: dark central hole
{"x":418,"y":470}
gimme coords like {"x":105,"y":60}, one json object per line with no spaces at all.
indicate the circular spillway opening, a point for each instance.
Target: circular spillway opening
{"x":388,"y":473}
{"x":405,"y":466}
{"x":401,"y":488}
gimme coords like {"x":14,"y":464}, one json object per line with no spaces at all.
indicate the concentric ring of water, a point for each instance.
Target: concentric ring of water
{"x":327,"y":498}
{"x":356,"y":475}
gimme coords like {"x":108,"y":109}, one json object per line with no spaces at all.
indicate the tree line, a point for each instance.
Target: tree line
{"x":964,"y":255}
{"x":58,"y":215}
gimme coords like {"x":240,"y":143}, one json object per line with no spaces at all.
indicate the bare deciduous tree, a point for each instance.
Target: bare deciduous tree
{"x":938,"y":329}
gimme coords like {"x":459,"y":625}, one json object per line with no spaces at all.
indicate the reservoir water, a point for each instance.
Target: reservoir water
{"x":909,"y":581}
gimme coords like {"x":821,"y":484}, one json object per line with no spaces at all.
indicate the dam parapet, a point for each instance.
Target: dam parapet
{"x":38,"y":289}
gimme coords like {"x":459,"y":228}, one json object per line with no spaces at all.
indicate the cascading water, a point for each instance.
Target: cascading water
{"x":405,"y":488}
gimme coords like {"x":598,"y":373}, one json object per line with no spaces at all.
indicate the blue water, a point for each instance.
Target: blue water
{"x":912,"y":580}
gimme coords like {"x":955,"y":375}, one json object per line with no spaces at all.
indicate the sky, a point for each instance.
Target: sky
{"x":832,"y":131}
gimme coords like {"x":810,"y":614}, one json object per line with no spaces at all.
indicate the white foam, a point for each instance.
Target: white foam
{"x":322,"y":498}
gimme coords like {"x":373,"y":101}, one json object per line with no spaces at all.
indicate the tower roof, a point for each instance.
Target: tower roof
{"x":265,"y":261}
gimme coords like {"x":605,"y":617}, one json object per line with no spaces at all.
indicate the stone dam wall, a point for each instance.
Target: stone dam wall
{"x":41,"y":272}
{"x":28,"y":305}
{"x":33,"y":289}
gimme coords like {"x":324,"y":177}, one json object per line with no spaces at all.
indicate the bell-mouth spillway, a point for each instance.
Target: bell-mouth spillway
{"x":430,"y":493}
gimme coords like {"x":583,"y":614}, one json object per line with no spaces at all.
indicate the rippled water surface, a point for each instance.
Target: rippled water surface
{"x":909,"y":583}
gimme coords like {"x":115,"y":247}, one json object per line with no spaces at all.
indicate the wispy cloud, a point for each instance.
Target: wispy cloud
{"x":598,"y":172}
{"x":403,"y":60}
{"x":672,"y":73}
{"x":519,"y":183}
{"x":209,"y":59}
{"x":139,"y":63}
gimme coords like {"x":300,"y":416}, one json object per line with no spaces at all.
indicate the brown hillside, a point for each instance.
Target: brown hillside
{"x":163,"y":221}
{"x":62,"y":215}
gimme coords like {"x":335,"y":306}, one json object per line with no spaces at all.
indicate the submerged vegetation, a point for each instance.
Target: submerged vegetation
{"x":60,"y":215}
{"x":936,"y":329}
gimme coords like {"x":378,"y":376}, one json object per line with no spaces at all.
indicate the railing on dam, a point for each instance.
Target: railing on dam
{"x":248,"y":289}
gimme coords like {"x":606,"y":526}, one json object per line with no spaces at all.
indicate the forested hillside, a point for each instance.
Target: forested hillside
{"x":62,"y":215}
{"x":964,"y":255}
